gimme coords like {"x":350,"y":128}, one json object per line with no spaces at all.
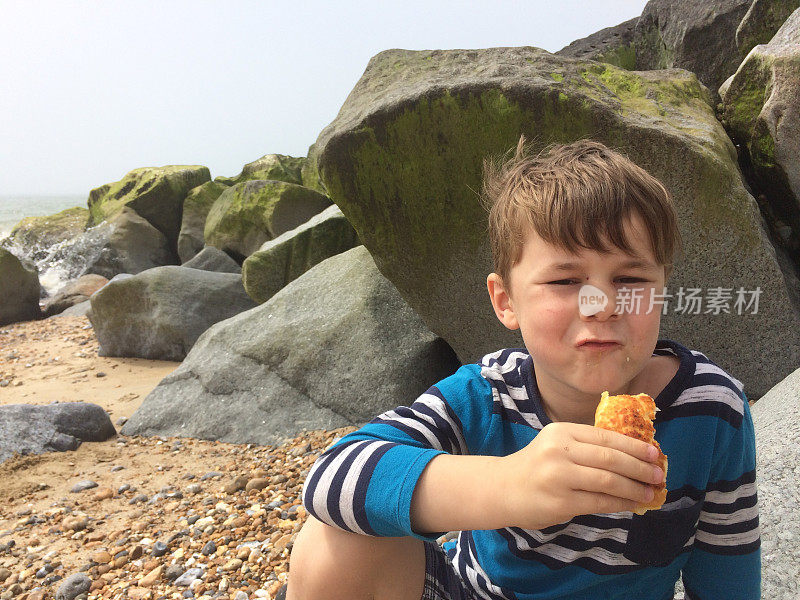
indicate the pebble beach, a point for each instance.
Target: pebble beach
{"x":137,"y":517}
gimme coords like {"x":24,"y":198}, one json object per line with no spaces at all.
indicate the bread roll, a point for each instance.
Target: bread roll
{"x":633,"y":416}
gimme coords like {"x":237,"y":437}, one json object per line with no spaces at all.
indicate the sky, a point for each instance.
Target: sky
{"x":91,"y":90}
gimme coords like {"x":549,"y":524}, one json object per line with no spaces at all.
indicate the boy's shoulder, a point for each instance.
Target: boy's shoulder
{"x":700,"y":386}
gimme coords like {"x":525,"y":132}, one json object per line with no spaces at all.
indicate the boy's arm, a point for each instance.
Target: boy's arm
{"x":726,"y":559}
{"x":409,"y":472}
{"x":567,"y":470}
{"x":364,"y":482}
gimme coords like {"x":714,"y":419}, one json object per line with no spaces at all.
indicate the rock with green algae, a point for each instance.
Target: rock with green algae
{"x":38,"y":235}
{"x":761,"y":112}
{"x":291,"y":254}
{"x":709,"y":39}
{"x":19,"y":290}
{"x":762,"y":22}
{"x":270,"y":166}
{"x":403,"y":161}
{"x":335,"y":347}
{"x":613,"y":45}
{"x":193,"y":221}
{"x":250,"y":213}
{"x":310,"y":172}
{"x":696,"y":36}
{"x":155,"y":193}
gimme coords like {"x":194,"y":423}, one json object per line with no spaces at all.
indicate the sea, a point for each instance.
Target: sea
{"x":53,"y":271}
{"x":14,"y":208}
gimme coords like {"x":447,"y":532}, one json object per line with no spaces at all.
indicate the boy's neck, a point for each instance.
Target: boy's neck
{"x":571,"y":410}
{"x":563,"y":403}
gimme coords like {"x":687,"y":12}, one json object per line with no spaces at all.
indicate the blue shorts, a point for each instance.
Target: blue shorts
{"x":442,"y":582}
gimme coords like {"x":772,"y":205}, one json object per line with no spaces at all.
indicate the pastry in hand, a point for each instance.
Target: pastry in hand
{"x":633,"y":416}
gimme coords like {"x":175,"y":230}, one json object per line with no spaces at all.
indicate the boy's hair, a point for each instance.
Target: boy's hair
{"x":573,"y":196}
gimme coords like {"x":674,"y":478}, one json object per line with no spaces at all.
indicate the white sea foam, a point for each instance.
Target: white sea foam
{"x":56,"y":265}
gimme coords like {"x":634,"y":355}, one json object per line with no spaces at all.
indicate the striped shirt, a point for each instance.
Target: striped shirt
{"x":707,"y":531}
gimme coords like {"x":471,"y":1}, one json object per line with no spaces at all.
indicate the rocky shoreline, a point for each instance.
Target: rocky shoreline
{"x":231,"y":511}
{"x":157,"y":506}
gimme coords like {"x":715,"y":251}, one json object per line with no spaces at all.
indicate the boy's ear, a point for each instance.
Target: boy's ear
{"x":501,"y":301}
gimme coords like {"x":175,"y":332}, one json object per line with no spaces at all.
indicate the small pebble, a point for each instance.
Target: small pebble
{"x":83,"y":485}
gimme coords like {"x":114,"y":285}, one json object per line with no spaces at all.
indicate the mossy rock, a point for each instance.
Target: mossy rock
{"x":697,"y":36}
{"x":38,"y":235}
{"x":761,"y":112}
{"x":250,"y":213}
{"x":613,"y":45}
{"x":19,"y":290}
{"x":291,"y":254}
{"x":193,"y":221}
{"x":270,"y":166}
{"x":310,"y":172}
{"x":761,"y":22}
{"x":155,"y":193}
{"x":403,"y":161}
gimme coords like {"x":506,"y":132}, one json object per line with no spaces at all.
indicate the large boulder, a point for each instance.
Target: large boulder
{"x":250,"y":213}
{"x":761,"y":112}
{"x":278,"y":167}
{"x":193,"y":221}
{"x":125,"y":243}
{"x":73,"y":293}
{"x":696,"y":36}
{"x":19,"y":290}
{"x":709,"y":39}
{"x":761,"y":22}
{"x":403,"y":160}
{"x":160,"y":313}
{"x":213,"y":259}
{"x":776,"y":419}
{"x":36,"y":236}
{"x":310,"y":171}
{"x":155,"y":193}
{"x":36,"y":428}
{"x":291,"y":254}
{"x":335,"y":347}
{"x":614,"y":45}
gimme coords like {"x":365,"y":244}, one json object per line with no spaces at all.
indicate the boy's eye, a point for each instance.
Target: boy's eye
{"x":574,"y":281}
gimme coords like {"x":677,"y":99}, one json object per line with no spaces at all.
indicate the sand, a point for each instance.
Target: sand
{"x":57,"y":359}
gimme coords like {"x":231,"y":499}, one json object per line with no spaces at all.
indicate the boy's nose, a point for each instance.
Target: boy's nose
{"x":597,"y":303}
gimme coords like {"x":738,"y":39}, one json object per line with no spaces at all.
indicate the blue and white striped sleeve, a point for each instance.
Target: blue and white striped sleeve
{"x":365,"y":481}
{"x":726,"y":559}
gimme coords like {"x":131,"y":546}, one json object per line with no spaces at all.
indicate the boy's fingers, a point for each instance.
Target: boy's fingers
{"x":588,"y":503}
{"x":599,"y":481}
{"x":616,"y":461}
{"x":612,"y":439}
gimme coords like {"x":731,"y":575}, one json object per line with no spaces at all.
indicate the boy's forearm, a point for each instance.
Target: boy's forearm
{"x":459,"y":492}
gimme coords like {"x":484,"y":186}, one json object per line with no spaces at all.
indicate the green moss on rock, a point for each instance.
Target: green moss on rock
{"x":37,"y":234}
{"x":282,"y":260}
{"x":623,"y":57}
{"x":415,"y":161}
{"x":278,"y":167}
{"x":250,"y":213}
{"x":155,"y":193}
{"x":195,"y":210}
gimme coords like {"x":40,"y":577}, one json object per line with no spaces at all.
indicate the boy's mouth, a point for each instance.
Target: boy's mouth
{"x":598,"y":344}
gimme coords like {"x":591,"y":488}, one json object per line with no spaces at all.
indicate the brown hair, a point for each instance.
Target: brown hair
{"x":573,"y":196}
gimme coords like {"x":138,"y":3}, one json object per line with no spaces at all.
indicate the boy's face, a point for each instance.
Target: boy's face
{"x":557,"y":311}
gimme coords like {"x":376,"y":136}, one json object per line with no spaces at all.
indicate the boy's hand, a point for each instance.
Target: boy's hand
{"x":571,"y":469}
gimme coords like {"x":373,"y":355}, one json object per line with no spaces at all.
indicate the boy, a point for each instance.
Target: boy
{"x":504,"y":450}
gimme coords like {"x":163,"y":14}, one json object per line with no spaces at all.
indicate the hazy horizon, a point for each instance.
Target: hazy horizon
{"x":96,"y":90}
